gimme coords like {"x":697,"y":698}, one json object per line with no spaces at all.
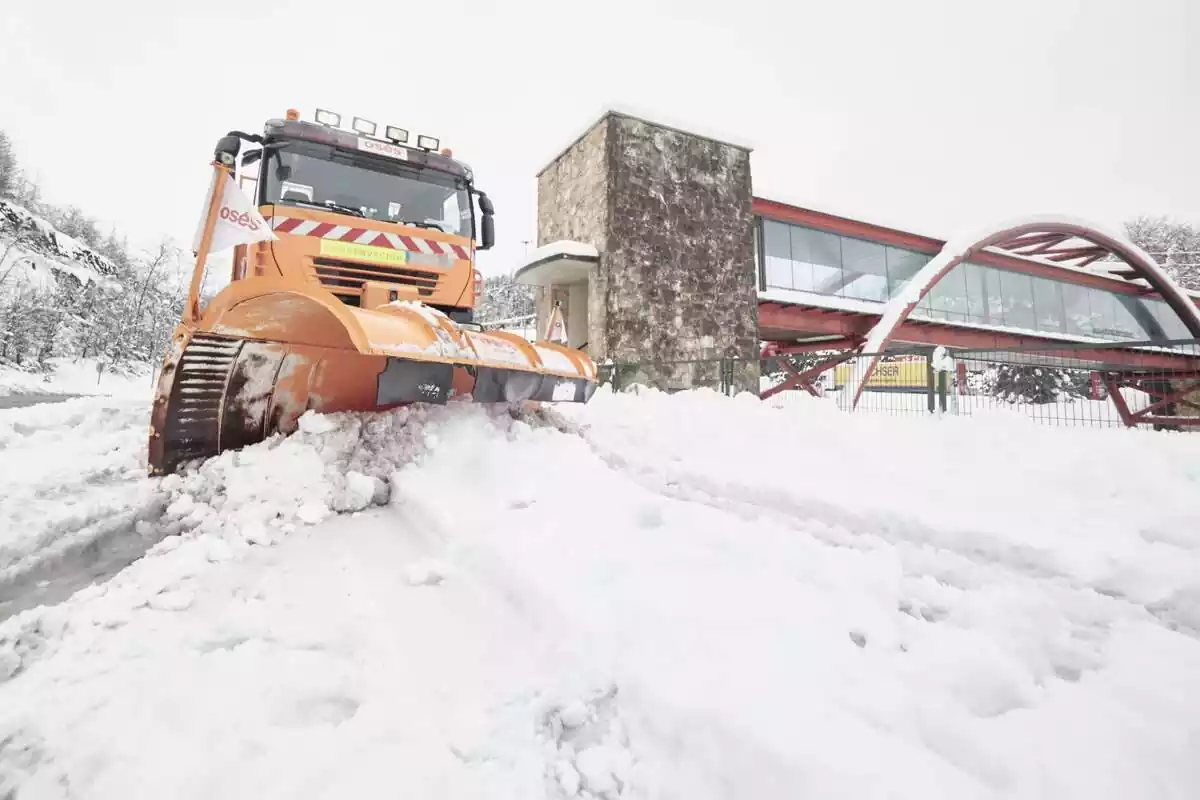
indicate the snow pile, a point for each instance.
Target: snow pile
{"x":91,"y":458}
{"x":655,"y":596}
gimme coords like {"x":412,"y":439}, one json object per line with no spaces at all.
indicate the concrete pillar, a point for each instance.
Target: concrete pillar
{"x":670,"y":214}
{"x":576,"y":309}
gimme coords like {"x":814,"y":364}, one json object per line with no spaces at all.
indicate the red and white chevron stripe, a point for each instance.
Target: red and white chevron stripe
{"x":345,"y":233}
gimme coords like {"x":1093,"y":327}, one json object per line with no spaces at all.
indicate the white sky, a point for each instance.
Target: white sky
{"x":925,"y":114}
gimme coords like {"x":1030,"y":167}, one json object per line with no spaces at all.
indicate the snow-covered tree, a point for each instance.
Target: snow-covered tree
{"x":1029,"y":383}
{"x":74,"y":223}
{"x":1174,"y":245}
{"x":10,"y":176}
{"x":504,"y":298}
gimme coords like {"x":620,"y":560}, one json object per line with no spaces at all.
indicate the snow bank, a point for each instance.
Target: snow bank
{"x":656,"y":596}
{"x":79,"y":376}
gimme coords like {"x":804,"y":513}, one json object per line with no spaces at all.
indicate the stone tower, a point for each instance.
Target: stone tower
{"x":673,"y":277}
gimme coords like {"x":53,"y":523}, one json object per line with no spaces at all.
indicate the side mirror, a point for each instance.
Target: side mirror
{"x":251,"y":156}
{"x":489,"y":232}
{"x":488,"y":223}
{"x":227,"y":149}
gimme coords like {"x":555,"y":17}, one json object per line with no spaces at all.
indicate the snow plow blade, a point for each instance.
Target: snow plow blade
{"x":260,"y":359}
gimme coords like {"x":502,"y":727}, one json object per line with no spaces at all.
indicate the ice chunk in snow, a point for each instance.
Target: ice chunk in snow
{"x":574,"y":714}
{"x":181,"y":506}
{"x":595,"y":765}
{"x":216,"y":548}
{"x":253,"y":531}
{"x":359,"y":492}
{"x":177,"y":600}
{"x":10,"y":662}
{"x":314,"y":423}
{"x":568,"y":777}
{"x":424,"y":573}
{"x":165,"y":545}
{"x":313,"y":512}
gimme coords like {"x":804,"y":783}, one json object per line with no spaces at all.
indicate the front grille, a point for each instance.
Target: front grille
{"x":345,"y":278}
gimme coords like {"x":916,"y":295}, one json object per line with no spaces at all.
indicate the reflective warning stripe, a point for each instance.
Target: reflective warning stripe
{"x":442,"y":251}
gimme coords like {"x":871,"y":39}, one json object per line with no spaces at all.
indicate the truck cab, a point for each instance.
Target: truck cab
{"x":372,"y":220}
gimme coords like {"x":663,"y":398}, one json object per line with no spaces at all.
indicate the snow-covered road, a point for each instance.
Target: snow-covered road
{"x":23,"y":400}
{"x":75,"y":489}
{"x":655,"y":596}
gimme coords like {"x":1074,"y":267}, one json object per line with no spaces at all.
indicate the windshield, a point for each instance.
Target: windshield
{"x":311,"y":175}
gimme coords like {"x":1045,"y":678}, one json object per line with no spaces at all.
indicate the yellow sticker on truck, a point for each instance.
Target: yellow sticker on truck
{"x":363,"y":252}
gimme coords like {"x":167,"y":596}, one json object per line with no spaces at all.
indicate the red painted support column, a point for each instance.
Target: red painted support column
{"x":1114,"y":392}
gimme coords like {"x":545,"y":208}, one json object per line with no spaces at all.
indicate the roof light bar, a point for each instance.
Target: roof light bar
{"x":329,"y":118}
{"x":363,"y":126}
{"x":427,"y":143}
{"x":397,"y":135}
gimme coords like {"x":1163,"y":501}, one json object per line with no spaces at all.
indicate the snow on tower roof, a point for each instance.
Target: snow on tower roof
{"x":650,"y":118}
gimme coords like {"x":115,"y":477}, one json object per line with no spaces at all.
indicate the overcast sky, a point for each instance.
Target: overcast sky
{"x":926,"y":114}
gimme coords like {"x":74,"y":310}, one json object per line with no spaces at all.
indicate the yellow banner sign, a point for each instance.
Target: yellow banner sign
{"x":363,"y":252}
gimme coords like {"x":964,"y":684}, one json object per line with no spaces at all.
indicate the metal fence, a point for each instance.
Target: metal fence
{"x":1067,"y":385}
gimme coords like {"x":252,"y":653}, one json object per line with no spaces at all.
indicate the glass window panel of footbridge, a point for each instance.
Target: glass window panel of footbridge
{"x":1133,"y":315}
{"x":1016,"y":291}
{"x":777,"y":255}
{"x":901,"y":266}
{"x":1105,"y":322}
{"x":802,"y":267}
{"x":995,"y":295}
{"x":983,"y":294}
{"x":948,"y":297}
{"x":865,"y":266}
{"x":1077,"y":309}
{"x":1172,"y":326}
{"x":825,"y":255}
{"x":1048,"y":303}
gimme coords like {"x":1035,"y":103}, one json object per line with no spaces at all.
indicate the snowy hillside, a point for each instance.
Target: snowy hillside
{"x":33,"y":251}
{"x":46,"y":279}
{"x":72,"y":297}
{"x":629,"y":599}
{"x":65,"y":307}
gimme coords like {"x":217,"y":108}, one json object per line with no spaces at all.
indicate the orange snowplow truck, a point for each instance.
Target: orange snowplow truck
{"x":353,"y":287}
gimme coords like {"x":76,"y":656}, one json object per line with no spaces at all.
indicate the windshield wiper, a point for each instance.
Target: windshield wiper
{"x":418,"y":224}
{"x":328,"y":204}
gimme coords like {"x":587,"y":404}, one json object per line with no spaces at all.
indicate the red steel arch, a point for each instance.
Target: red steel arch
{"x":1058,"y":239}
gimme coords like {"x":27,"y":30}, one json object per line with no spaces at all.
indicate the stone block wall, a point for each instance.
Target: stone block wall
{"x":573,"y":205}
{"x":682,"y":283}
{"x":670,"y":214}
